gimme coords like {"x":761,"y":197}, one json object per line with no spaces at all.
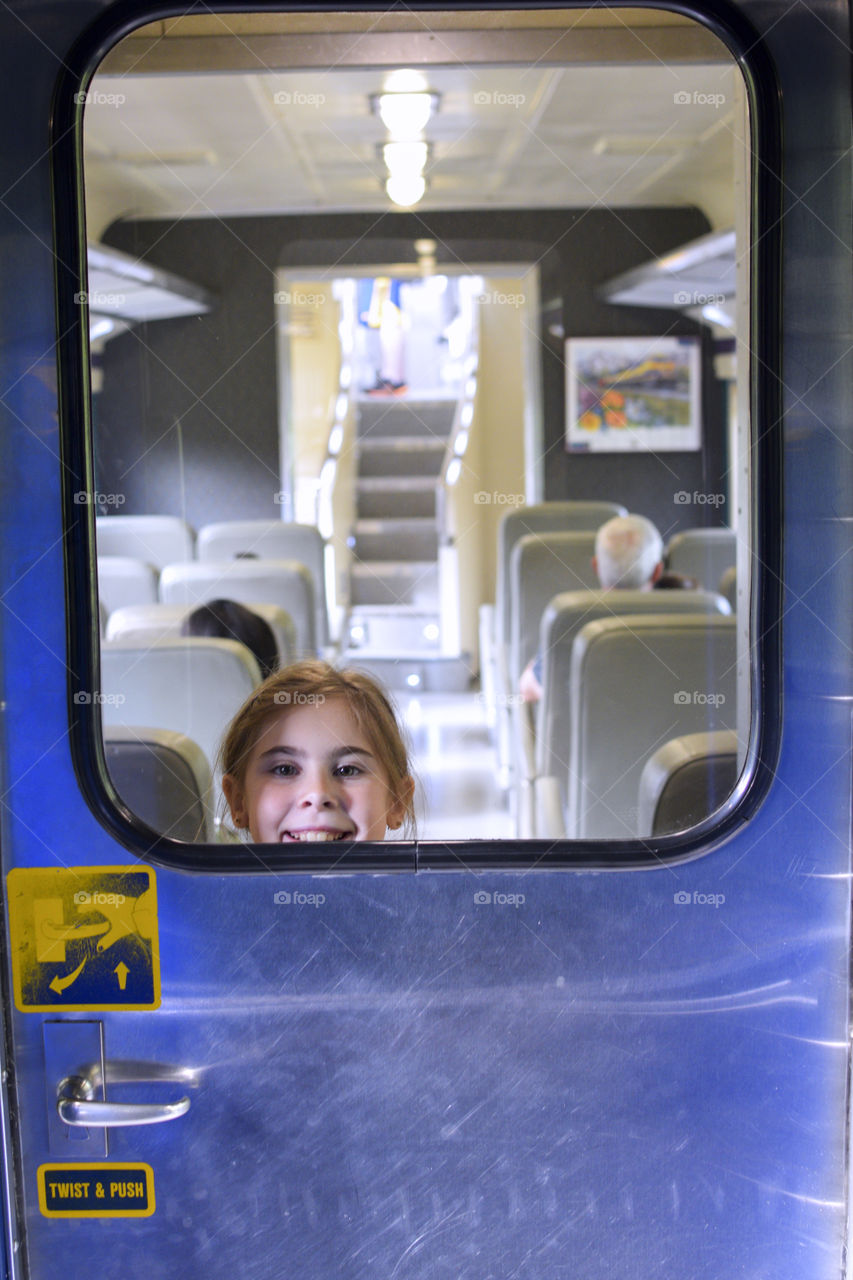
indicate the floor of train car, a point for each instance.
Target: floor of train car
{"x":456,"y":767}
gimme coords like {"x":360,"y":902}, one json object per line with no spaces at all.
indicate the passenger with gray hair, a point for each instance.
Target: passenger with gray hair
{"x":628,"y":556}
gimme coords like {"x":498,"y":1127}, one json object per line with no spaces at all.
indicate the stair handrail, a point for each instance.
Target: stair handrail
{"x":335,"y":484}
{"x":457,"y":442}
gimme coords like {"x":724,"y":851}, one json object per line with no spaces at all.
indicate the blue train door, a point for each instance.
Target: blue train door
{"x":473,"y":1059}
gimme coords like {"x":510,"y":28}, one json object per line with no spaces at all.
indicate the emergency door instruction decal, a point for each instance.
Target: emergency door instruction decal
{"x":84,"y":938}
{"x":96,"y":1190}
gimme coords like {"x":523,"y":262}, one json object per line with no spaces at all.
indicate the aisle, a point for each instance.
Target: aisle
{"x":456,"y":768}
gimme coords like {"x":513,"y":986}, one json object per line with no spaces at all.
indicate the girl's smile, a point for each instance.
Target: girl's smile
{"x":312,"y":777}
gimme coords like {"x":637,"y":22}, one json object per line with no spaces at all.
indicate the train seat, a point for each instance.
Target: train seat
{"x":635,"y":682}
{"x":703,"y":554}
{"x":272,"y":540}
{"x":157,"y":540}
{"x":124,"y":580}
{"x":541,"y":567}
{"x":541,"y":518}
{"x":547,"y":735}
{"x":686,"y":780}
{"x":143,"y":623}
{"x":164,"y":778}
{"x":538,"y":518}
{"x":191,"y":685}
{"x":284,"y":583}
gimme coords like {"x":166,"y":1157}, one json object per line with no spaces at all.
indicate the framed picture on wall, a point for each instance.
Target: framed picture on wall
{"x":625,"y":394}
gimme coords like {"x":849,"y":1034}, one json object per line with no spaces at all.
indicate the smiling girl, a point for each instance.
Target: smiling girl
{"x":316,"y":755}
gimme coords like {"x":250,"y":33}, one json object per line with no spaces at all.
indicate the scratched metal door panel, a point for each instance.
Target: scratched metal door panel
{"x":600,"y":1080}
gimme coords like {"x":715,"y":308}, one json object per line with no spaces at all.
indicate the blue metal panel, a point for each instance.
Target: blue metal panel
{"x":602,"y":1079}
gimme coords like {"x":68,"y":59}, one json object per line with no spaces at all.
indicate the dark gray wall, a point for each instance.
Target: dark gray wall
{"x":187,"y":421}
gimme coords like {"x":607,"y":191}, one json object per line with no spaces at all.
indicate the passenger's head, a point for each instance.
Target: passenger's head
{"x":229,"y":620}
{"x":628,"y":553}
{"x":316,"y":754}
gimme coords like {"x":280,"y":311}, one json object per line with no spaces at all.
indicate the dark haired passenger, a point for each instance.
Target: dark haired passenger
{"x":230,"y":620}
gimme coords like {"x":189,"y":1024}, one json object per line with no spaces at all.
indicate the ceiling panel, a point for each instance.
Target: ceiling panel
{"x":544,"y":136}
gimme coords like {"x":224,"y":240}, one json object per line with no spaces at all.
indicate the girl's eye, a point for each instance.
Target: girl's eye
{"x":348,"y":771}
{"x":284,"y":770}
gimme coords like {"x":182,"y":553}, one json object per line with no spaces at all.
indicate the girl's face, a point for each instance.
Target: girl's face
{"x":312,"y":776}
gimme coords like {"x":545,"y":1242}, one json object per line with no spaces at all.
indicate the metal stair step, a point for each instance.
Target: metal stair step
{"x":396,"y":538}
{"x":402,"y":444}
{"x":412,"y":459}
{"x":380,"y":497}
{"x":394,"y":582}
{"x":405,"y":418}
{"x":388,"y":630}
{"x":416,"y":671}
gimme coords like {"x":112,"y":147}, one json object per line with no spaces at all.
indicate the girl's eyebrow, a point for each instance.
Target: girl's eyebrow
{"x":299,"y":752}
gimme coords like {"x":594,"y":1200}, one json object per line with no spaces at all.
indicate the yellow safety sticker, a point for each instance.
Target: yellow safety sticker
{"x":96,"y":1190}
{"x":84,"y":938}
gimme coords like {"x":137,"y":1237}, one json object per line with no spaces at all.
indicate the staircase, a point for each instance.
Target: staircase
{"x":395,"y":621}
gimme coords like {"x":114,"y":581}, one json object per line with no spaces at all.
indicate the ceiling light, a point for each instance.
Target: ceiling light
{"x":404,"y":114}
{"x":403,"y":159}
{"x":406,"y":190}
{"x":405,"y":80}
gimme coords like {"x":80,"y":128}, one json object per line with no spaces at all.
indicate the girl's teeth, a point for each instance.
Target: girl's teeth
{"x":316,"y":836}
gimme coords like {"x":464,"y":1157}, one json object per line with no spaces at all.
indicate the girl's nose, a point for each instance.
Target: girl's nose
{"x":317,"y":790}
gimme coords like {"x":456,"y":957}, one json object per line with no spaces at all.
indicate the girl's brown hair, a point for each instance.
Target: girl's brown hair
{"x":312,"y":682}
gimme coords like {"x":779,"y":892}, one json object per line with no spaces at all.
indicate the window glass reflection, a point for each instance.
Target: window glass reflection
{"x":377,"y":350}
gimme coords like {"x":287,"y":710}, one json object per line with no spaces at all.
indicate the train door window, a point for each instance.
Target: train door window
{"x":452,"y":289}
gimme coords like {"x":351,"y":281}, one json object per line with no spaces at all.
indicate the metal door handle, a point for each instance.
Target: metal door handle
{"x":77,"y":1104}
{"x":109,"y":1115}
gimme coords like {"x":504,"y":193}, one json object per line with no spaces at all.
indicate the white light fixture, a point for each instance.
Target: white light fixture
{"x":405,"y":80}
{"x":405,"y":114}
{"x":407,"y":190}
{"x":402,"y":159}
{"x":717,"y":315}
{"x":454,"y":470}
{"x":336,"y":439}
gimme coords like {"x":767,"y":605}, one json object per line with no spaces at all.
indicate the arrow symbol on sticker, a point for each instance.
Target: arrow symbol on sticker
{"x":58,"y":984}
{"x":121,"y":971}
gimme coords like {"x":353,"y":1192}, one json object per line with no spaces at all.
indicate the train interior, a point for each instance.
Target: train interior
{"x":386,"y":319}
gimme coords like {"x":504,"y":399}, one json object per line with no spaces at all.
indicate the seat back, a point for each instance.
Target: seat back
{"x":284,"y":583}
{"x":562,"y":621}
{"x":636,"y":682}
{"x":541,"y":517}
{"x":272,"y":540}
{"x":164,"y":778}
{"x":685,"y":780}
{"x":703,"y":554}
{"x":143,"y":623}
{"x":542,"y":566}
{"x":123,"y":580}
{"x":193,"y":685}
{"x":157,"y":540}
